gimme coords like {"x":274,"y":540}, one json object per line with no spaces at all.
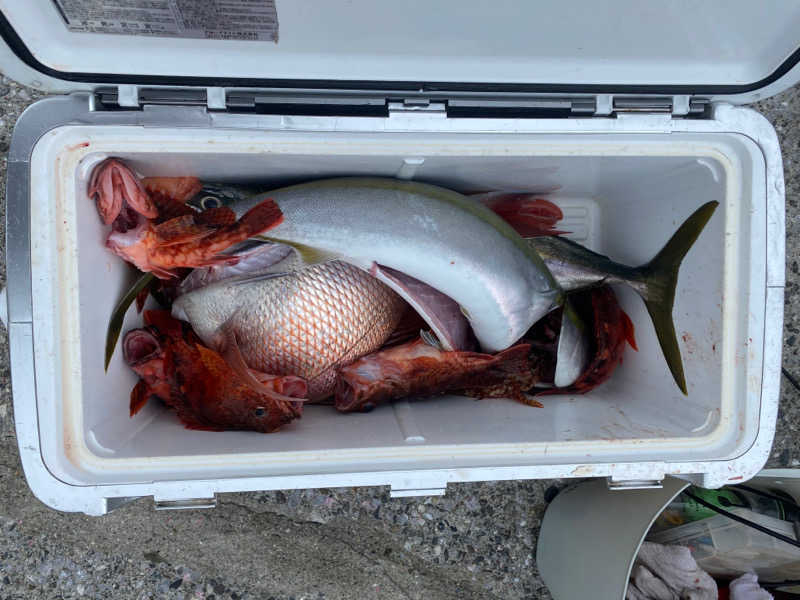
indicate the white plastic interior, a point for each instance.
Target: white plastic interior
{"x":623,"y":195}
{"x":724,"y":42}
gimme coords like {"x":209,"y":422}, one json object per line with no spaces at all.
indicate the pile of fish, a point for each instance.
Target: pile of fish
{"x":363,"y":291}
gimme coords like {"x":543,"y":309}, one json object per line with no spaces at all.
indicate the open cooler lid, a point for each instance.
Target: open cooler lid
{"x":735,"y":49}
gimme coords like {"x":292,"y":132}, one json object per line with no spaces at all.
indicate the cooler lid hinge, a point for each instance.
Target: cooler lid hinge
{"x":132,"y":97}
{"x":521,"y":108}
{"x":310,"y":104}
{"x":680,"y":106}
{"x":129,"y":97}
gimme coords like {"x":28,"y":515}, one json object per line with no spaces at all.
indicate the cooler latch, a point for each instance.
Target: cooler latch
{"x":184,"y":503}
{"x":636,"y":476}
{"x":635,"y":484}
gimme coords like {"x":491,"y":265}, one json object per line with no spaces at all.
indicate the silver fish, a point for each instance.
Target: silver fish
{"x":306,"y":322}
{"x":434,"y":235}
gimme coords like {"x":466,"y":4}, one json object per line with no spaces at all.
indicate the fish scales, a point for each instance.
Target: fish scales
{"x":306,"y":323}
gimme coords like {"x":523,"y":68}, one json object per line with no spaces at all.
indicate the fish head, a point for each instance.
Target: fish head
{"x":259,"y":413}
{"x":132,"y":243}
{"x":144,"y":352}
{"x":116,"y":187}
{"x":140,"y":346}
{"x":266,"y":417}
{"x":220,"y":396}
{"x":255,"y":412}
{"x":215,"y":195}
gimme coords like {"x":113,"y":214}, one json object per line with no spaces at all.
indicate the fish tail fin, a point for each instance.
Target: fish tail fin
{"x":660,"y":277}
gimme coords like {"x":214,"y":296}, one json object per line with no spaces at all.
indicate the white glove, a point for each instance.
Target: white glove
{"x":649,"y":586}
{"x":745,"y":587}
{"x":669,"y":573}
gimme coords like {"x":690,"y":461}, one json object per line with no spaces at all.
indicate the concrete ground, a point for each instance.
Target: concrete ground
{"x":478,"y":541}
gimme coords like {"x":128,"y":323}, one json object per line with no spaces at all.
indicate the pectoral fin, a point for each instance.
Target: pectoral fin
{"x":308,"y":254}
{"x":180,"y":230}
{"x":140,"y":394}
{"x":118,"y":314}
{"x":228,"y":347}
{"x":445,"y":317}
{"x":573,"y":348}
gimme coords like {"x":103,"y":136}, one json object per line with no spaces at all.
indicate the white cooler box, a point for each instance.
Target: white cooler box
{"x":627,"y":118}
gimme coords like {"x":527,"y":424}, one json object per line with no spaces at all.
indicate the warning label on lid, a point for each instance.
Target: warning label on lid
{"x":209,"y":19}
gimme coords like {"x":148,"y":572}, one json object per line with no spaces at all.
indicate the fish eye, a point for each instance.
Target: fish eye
{"x":210,"y":202}
{"x":260,"y":411}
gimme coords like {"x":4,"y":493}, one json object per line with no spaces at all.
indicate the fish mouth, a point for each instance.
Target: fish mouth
{"x":293,"y":386}
{"x":140,"y":346}
{"x":296,"y":387}
{"x":349,"y":395}
{"x":127,"y":235}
